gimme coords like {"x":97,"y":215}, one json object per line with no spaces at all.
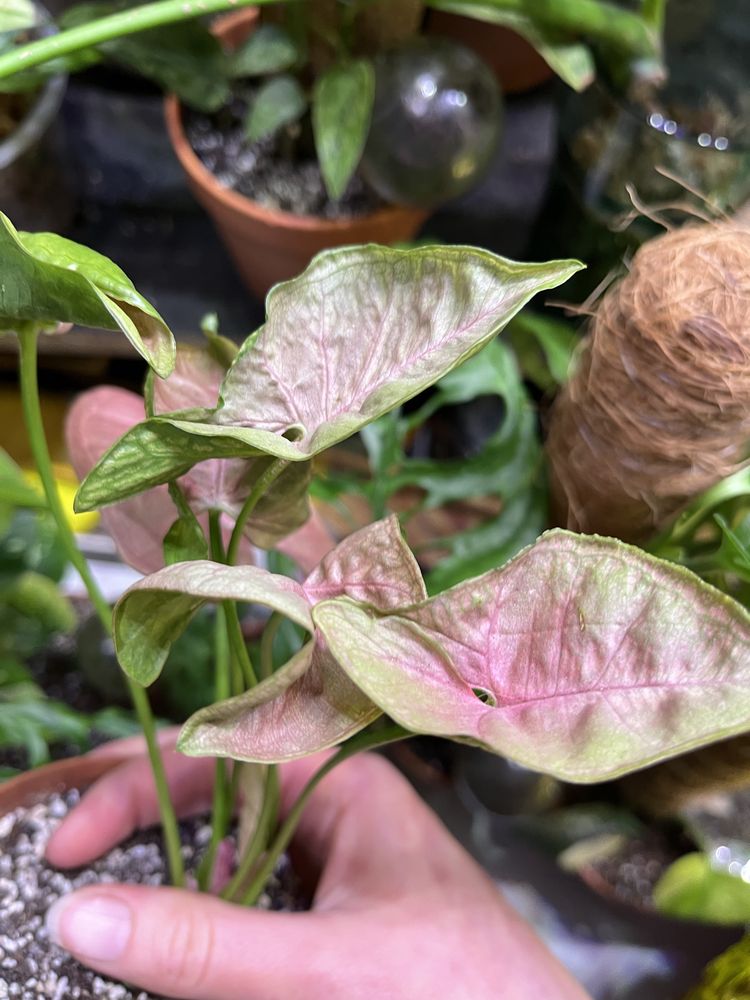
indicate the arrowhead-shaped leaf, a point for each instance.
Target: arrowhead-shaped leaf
{"x":342,"y":111}
{"x":311,"y":704}
{"x":278,"y":102}
{"x":154,"y":612}
{"x":583,"y":658}
{"x":361,"y":331}
{"x":268,"y":50}
{"x":47,"y":279}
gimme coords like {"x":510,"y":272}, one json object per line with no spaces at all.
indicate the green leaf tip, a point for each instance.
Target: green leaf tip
{"x":46,"y":279}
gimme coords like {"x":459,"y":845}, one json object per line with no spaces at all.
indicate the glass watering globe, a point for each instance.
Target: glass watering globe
{"x":436,"y":122}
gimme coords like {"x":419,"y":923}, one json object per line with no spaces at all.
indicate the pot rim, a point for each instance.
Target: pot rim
{"x":71,"y":772}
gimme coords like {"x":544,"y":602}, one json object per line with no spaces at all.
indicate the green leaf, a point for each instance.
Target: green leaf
{"x":184,"y":58}
{"x":570,"y":59}
{"x":595,"y":659}
{"x":14,"y":489}
{"x":691,"y":890}
{"x":268,"y":50}
{"x":33,"y":722}
{"x":544,"y":347}
{"x":16,"y":15}
{"x":342,"y":111}
{"x":185,"y":541}
{"x":38,"y":597}
{"x":278,"y":102}
{"x":734,"y":553}
{"x":508,"y":465}
{"x":702,"y":509}
{"x":360,"y":332}
{"x":154,"y":612}
{"x":490,"y":545}
{"x":46,"y":279}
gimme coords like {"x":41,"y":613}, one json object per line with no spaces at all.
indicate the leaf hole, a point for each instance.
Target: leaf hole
{"x":294,"y":433}
{"x":485,"y":696}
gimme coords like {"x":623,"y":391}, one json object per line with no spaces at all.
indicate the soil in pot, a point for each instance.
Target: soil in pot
{"x":31,"y":967}
{"x":280,"y":172}
{"x":631,"y":874}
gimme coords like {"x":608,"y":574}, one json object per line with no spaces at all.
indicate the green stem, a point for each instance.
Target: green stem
{"x":364,"y":741}
{"x":32,"y":411}
{"x":238,"y":645}
{"x":654,"y":13}
{"x":261,"y":836}
{"x":106,"y":29}
{"x":222,"y":796}
{"x":266,"y":644}
{"x":264,"y":483}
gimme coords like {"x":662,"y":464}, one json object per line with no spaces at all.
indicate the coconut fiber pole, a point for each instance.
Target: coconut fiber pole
{"x":658,"y":409}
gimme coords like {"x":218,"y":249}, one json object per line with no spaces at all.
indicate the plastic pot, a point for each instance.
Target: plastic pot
{"x":63,"y":775}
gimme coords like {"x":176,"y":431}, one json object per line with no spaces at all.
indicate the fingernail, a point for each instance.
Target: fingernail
{"x":96,"y":928}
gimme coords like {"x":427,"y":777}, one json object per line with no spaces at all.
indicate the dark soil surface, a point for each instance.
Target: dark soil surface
{"x":635,"y":869}
{"x":31,"y":968}
{"x":279,"y":172}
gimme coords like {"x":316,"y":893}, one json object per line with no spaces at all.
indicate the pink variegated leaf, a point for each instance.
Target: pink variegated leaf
{"x":583,"y":658}
{"x":311,"y":704}
{"x":138,"y":525}
{"x":308,"y":705}
{"x":361,"y":331}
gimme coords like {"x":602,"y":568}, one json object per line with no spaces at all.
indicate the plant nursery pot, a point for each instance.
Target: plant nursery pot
{"x":270,"y":246}
{"x":73,"y":772}
{"x":516,"y":64}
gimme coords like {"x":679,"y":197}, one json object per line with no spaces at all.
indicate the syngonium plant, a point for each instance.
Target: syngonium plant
{"x":582,"y":657}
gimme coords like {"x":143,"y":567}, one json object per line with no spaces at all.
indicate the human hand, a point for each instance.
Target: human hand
{"x":400,"y":910}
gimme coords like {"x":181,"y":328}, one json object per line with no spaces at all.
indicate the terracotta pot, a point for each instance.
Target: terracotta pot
{"x":271,"y":246}
{"x":516,"y":63}
{"x":74,"y":772}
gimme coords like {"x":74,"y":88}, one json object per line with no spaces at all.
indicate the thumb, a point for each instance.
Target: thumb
{"x":181,"y":944}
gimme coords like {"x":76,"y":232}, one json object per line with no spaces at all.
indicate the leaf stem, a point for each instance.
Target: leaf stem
{"x":364,"y":741}
{"x":105,"y":29}
{"x":263,"y":484}
{"x":266,"y":644}
{"x":238,"y":645}
{"x":222,"y":797}
{"x":261,"y":835}
{"x":28,"y":336}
